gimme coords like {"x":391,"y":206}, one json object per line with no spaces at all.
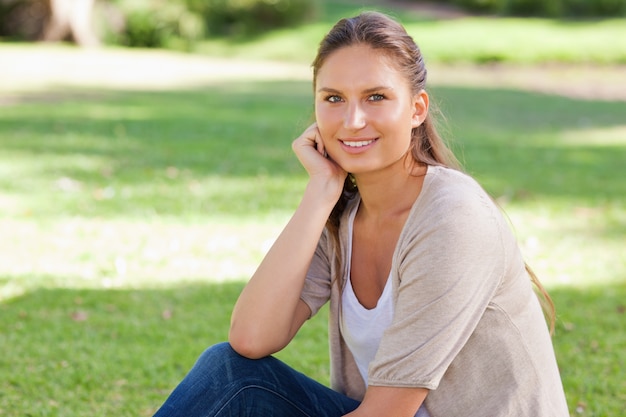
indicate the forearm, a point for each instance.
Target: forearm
{"x":390,"y":401}
{"x":263,"y":318}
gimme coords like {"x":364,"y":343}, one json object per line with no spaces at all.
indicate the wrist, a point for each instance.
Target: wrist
{"x":324,"y":193}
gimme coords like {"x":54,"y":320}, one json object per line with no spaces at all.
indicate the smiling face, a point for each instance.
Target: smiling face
{"x":365,"y":109}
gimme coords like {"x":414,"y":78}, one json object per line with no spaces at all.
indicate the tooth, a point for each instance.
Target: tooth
{"x":358,"y":144}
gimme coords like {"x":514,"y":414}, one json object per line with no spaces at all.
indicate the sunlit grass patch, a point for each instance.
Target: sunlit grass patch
{"x":572,"y":245}
{"x":80,"y":253}
{"x":612,"y":136}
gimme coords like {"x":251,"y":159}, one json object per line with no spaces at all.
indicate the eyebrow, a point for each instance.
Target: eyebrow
{"x":366,"y":91}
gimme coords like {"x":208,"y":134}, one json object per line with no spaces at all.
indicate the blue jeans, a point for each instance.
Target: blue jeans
{"x":223,"y":383}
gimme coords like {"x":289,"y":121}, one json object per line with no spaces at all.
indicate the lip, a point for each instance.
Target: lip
{"x":357,"y":145}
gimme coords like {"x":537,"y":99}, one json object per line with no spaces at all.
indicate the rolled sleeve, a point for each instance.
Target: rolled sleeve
{"x":317,"y":285}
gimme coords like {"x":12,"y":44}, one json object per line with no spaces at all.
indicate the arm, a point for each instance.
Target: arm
{"x":390,"y":401}
{"x":269,"y":311}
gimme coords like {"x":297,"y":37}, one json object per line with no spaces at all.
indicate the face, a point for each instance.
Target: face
{"x":365,"y":110}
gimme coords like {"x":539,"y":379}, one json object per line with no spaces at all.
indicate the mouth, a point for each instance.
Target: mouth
{"x":358,"y":143}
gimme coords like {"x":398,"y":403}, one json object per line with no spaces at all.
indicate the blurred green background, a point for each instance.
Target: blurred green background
{"x":144,"y":175}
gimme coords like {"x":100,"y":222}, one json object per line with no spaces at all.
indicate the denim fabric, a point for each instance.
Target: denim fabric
{"x":224,"y":384}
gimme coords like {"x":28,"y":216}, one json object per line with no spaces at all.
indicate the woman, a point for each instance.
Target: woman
{"x":432,"y":311}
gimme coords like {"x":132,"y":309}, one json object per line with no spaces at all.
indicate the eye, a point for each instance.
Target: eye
{"x":333,"y":99}
{"x":376,"y":97}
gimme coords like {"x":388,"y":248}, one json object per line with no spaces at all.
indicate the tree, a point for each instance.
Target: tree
{"x":71,"y":18}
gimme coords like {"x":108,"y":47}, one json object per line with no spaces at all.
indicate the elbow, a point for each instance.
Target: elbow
{"x":248,"y":344}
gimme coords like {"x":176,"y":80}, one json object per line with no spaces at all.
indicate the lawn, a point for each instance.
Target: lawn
{"x":131,"y":219}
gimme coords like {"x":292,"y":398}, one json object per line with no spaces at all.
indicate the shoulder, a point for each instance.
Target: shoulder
{"x":452,"y":213}
{"x":451,"y":184}
{"x":449,"y":194}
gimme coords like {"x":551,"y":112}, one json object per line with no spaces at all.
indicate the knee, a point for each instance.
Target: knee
{"x":223,"y":356}
{"x":218,"y":354}
{"x":214,"y":371}
{"x":220,"y":349}
{"x":221,"y":359}
{"x":214,"y":367}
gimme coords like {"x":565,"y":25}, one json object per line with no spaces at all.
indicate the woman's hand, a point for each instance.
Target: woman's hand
{"x":309,"y":148}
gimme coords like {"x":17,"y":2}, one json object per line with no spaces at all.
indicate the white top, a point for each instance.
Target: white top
{"x":363,"y":328}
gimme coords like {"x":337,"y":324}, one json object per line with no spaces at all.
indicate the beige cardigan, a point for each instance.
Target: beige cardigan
{"x":467,"y":324}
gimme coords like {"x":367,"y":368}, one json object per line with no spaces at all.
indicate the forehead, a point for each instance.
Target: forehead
{"x":359,"y":65}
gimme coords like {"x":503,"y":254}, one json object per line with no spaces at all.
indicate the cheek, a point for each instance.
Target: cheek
{"x":399,"y":119}
{"x":326,"y":120}
{"x":324,"y":113}
{"x":399,"y":114}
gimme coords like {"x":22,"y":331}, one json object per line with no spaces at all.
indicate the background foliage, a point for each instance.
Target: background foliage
{"x":547,"y":8}
{"x":163,"y":23}
{"x":181,"y":23}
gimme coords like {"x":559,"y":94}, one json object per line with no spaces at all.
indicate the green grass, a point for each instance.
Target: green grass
{"x":119,"y":352}
{"x":472,"y":39}
{"x":590,"y":342}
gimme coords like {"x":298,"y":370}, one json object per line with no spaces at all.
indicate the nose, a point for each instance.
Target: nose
{"x":354,"y":118}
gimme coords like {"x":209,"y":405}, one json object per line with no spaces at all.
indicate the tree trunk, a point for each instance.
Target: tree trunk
{"x":71,"y":18}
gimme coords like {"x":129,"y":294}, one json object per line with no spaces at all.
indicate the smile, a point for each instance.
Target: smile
{"x":358,"y":144}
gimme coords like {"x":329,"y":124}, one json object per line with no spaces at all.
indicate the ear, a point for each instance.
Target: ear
{"x":420,"y":108}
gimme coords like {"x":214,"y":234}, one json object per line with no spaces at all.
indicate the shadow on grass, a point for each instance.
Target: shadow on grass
{"x":117,"y":352}
{"x":228,"y":148}
{"x":101,"y":352}
{"x":120,"y":352}
{"x":539,"y":145}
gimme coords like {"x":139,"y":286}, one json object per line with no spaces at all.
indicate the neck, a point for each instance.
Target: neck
{"x":390,"y":193}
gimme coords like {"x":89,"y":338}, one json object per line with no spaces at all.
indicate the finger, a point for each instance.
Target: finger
{"x":310,"y":135}
{"x":319,"y":145}
{"x":319,"y":142}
